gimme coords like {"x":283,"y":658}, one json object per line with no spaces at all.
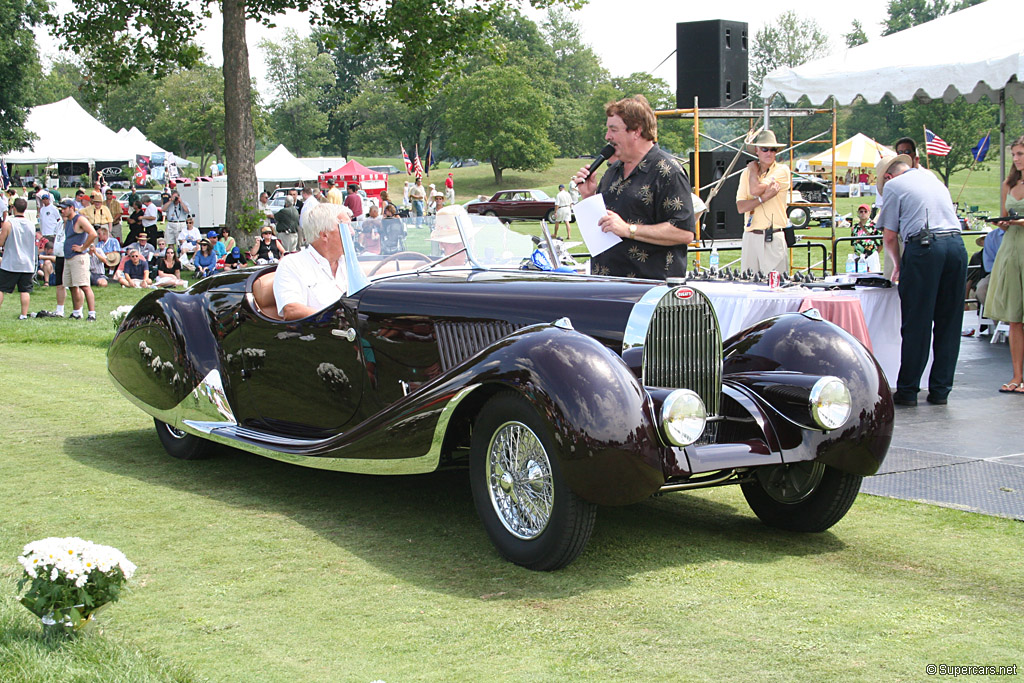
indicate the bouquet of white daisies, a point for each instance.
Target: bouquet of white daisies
{"x":70,"y":579}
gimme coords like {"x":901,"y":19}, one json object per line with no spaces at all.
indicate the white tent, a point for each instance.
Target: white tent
{"x":860,"y":151}
{"x":66,"y":132}
{"x":281,"y":165}
{"x":974,"y":52}
{"x":139,"y":141}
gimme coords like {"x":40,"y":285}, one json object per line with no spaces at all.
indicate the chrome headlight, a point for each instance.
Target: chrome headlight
{"x":830,"y":402}
{"x":683,"y":416}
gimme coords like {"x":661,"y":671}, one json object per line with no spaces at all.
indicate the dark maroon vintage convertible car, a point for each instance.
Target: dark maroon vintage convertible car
{"x":559,"y":392}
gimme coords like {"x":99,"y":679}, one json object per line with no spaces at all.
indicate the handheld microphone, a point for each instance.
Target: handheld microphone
{"x":607,"y":152}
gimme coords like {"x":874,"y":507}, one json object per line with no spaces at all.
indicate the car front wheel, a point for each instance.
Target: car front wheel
{"x":805,"y":496}
{"x":181,"y":445}
{"x":528,"y":511}
{"x":550,"y":218}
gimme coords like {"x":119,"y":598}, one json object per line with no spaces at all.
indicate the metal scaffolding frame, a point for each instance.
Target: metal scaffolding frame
{"x":765,"y":114}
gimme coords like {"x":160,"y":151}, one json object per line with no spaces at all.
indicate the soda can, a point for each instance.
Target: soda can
{"x":774,"y":279}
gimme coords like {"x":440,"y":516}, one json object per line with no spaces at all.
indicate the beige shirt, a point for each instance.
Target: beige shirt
{"x":772,"y":212}
{"x":97,"y":215}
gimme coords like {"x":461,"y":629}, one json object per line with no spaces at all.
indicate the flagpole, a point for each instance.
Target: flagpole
{"x":974,"y":162}
{"x":927,"y":161}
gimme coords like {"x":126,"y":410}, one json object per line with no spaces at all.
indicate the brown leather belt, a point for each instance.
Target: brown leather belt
{"x":761,"y":232}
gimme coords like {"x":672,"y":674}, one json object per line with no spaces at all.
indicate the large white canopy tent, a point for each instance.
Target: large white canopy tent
{"x":143,"y":145}
{"x":66,"y":132}
{"x":282,"y":166}
{"x":975,"y":52}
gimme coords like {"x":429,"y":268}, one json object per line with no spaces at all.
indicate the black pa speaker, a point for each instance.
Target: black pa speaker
{"x":711,"y":63}
{"x":723,"y":221}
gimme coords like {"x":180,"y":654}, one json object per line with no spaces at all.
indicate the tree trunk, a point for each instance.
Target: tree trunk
{"x":239,"y":138}
{"x":497,"y":173}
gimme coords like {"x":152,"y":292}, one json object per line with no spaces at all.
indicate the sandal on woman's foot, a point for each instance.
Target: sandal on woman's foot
{"x":1012,"y":388}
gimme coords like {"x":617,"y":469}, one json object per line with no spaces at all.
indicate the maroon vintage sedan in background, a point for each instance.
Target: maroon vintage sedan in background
{"x":517,"y":205}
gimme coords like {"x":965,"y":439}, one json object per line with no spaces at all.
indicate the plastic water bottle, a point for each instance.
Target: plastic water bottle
{"x":862,"y":264}
{"x":714,"y":259}
{"x":851,"y":264}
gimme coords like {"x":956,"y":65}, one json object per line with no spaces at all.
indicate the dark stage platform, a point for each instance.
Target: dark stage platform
{"x":968,"y":454}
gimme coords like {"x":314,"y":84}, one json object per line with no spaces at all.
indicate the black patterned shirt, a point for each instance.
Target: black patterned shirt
{"x":658,"y":191}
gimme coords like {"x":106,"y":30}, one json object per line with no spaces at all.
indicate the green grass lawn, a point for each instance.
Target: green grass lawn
{"x":255,"y":570}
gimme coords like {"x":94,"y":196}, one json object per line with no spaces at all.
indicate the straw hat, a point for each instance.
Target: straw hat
{"x":765,"y":138}
{"x":885,"y":164}
{"x":446,"y":228}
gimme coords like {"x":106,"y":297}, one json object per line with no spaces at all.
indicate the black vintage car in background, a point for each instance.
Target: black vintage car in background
{"x":559,"y":392}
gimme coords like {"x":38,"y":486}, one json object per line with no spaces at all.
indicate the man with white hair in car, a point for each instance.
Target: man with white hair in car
{"x":312,"y":279}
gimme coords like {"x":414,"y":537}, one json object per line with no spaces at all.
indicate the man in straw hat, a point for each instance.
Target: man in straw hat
{"x":761,"y":196}
{"x":918,"y":211}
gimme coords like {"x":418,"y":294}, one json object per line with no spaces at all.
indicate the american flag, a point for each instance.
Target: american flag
{"x":417,"y":165}
{"x":935,"y":145}
{"x":405,"y":158}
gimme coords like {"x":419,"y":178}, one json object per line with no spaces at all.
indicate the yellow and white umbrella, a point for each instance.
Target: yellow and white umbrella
{"x":860,"y":151}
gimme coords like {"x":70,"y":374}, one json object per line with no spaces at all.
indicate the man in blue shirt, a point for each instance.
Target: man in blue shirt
{"x":918,"y":211}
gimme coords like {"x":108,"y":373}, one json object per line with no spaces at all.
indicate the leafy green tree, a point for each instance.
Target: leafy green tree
{"x":189,"y":119}
{"x":882,"y":122}
{"x":19,"y":66}
{"x":63,"y":79}
{"x":352,"y":72}
{"x":125,"y":37}
{"x":790,"y":40}
{"x":498,"y":116}
{"x":301,"y":77}
{"x":856,"y":36}
{"x":959,"y":123}
{"x":906,"y":13}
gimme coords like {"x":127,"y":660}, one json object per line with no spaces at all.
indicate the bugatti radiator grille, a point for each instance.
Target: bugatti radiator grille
{"x":459,"y":341}
{"x":683,"y":348}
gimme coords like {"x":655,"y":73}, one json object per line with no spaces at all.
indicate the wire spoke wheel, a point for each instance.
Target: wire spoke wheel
{"x":803,"y":496}
{"x":519,"y":474}
{"x":527,"y":508}
{"x":791,"y":483}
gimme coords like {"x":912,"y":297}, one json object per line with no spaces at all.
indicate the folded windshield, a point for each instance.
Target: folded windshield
{"x":451,"y":240}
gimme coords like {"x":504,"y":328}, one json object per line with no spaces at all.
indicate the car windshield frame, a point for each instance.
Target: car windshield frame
{"x":376,"y":248}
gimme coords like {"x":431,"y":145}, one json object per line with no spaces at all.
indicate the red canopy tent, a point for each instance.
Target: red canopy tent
{"x":371,"y":182}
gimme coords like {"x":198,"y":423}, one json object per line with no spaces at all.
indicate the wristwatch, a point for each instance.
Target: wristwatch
{"x":632,"y":232}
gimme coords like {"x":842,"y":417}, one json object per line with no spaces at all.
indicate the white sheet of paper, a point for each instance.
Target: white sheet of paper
{"x":588,"y":213}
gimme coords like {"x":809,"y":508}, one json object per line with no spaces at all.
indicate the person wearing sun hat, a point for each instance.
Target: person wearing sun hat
{"x":761,"y":196}
{"x":917,"y":210}
{"x":447,"y":236}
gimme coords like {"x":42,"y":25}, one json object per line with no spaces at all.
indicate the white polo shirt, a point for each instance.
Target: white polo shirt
{"x":49,"y":220}
{"x":305,"y":278}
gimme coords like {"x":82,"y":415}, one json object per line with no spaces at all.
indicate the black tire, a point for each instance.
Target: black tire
{"x":491,"y":213}
{"x":180,"y":445}
{"x":805,"y":496}
{"x":550,"y":218}
{"x":799,"y":217}
{"x":559,"y":523}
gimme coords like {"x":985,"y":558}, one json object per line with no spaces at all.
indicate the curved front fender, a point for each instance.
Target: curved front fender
{"x":798,"y":343}
{"x":597,"y":411}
